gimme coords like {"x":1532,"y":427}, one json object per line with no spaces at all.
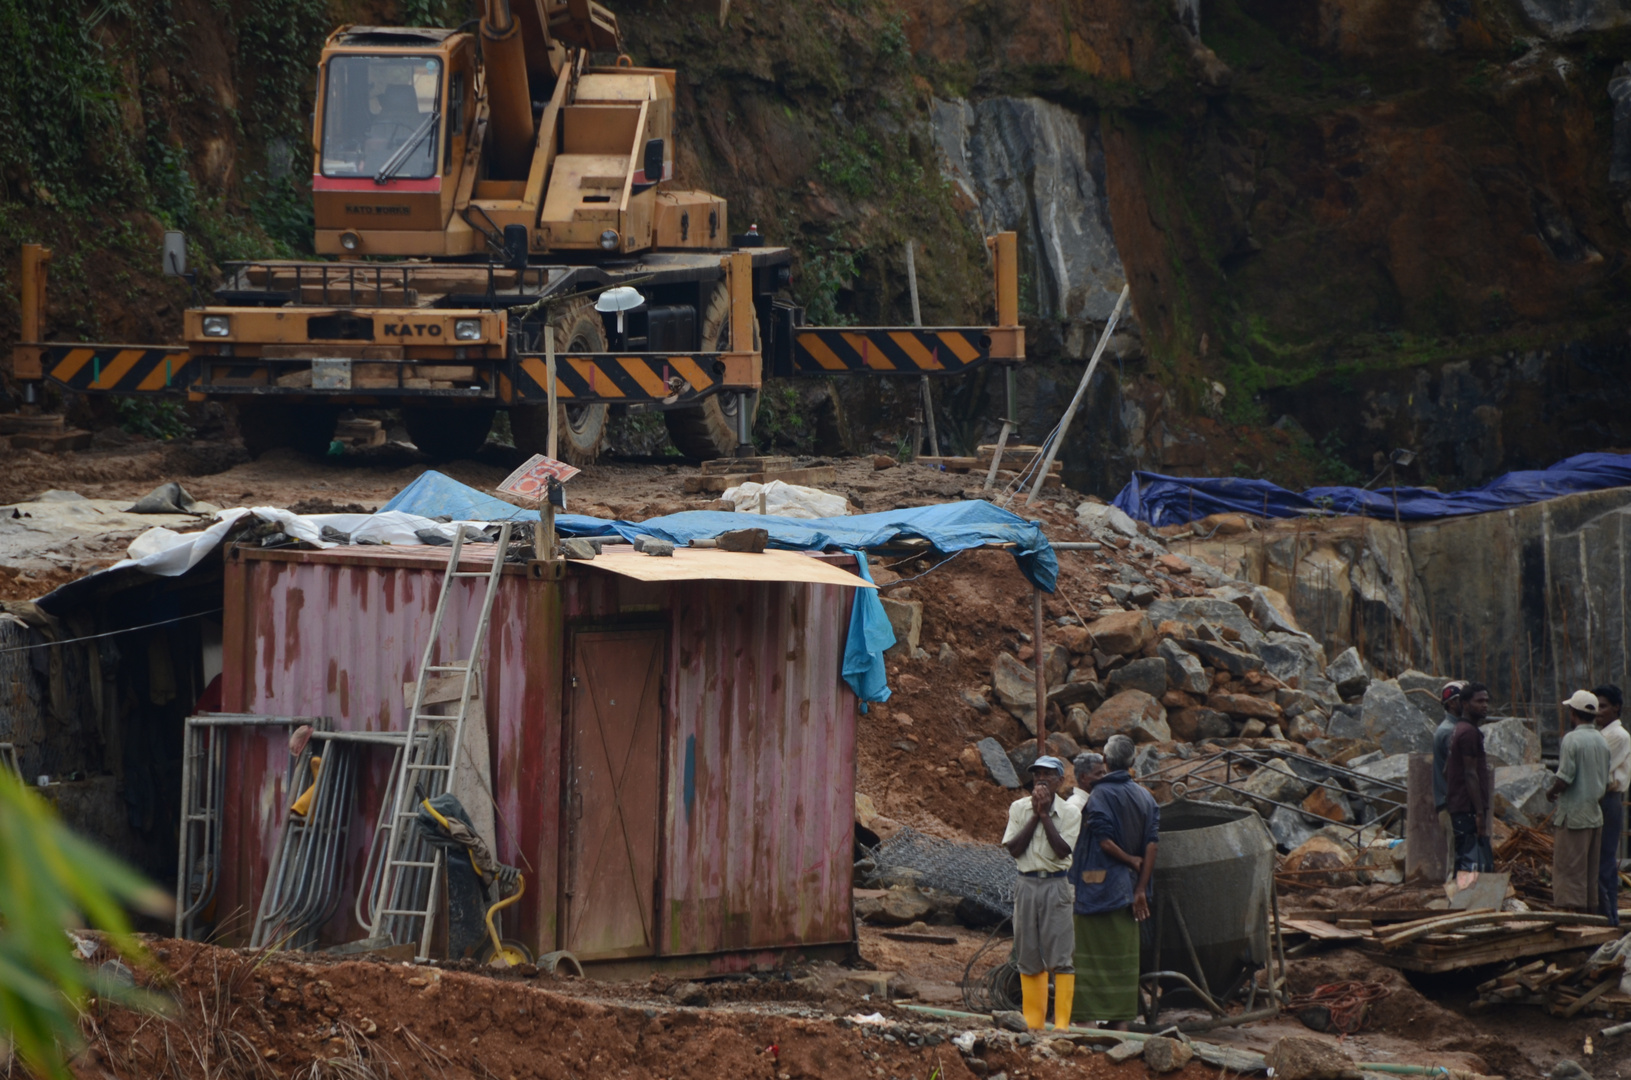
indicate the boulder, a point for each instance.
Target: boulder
{"x":1304,"y":728}
{"x":1102,"y":520}
{"x":1344,"y":723}
{"x":1244,"y":706}
{"x":1121,"y":633}
{"x":906,"y":619}
{"x":1394,"y":769}
{"x":997,"y":763}
{"x":1133,"y":713}
{"x":1290,"y":829}
{"x":1520,"y":794}
{"x":1341,"y":751}
{"x":1426,"y":703}
{"x":1217,"y":655}
{"x":901,"y":905}
{"x":1347,"y":671}
{"x":1387,"y":716}
{"x":1055,"y":664}
{"x":1253,"y":729}
{"x":1184,"y":671}
{"x":976,"y":701}
{"x":1420,"y":680}
{"x":1072,"y":692}
{"x":1148,"y":674}
{"x":1292,"y":658}
{"x":1015,"y":687}
{"x":1164,"y":1055}
{"x":1329,"y":804}
{"x":1076,"y":639}
{"x":1276,"y":782}
{"x":1149,"y":758}
{"x":1382,"y":863}
{"x":1124,"y":1052}
{"x":1510,"y":741}
{"x":1294,"y":702}
{"x":1193,"y":725}
{"x":1323,"y":689}
{"x":1195,"y":610}
{"x":1023,"y":756}
{"x":1320,"y":852}
{"x":1303,"y":1057}
{"x":1271,"y":611}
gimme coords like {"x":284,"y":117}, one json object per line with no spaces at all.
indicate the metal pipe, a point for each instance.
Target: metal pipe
{"x":509,"y":92}
{"x":1041,"y":674}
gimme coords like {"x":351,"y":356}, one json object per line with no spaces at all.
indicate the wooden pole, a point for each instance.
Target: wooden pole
{"x":554,"y":408}
{"x":1041,"y":674}
{"x":923,"y":380}
{"x":1081,"y":392}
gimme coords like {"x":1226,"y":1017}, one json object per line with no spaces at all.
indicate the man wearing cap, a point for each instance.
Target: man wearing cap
{"x":1041,"y":831}
{"x":1577,"y":824}
{"x":1450,"y":696}
{"x":1469,"y":782}
{"x":1111,"y":874}
{"x":1619,"y":776}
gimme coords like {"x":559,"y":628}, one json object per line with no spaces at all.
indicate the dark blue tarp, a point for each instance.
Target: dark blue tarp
{"x":1176,"y":500}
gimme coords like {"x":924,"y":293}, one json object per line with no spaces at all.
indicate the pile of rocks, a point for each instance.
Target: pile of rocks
{"x":1186,"y":676}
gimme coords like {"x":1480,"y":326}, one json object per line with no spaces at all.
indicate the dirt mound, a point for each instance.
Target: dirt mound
{"x":1404,"y":1012}
{"x":253,"y":1017}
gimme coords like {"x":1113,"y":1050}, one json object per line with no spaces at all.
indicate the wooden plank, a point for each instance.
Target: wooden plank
{"x":1491,"y":954}
{"x":19,"y":424}
{"x":921,"y":939}
{"x":721,"y":466}
{"x":711,"y":564}
{"x":1321,"y":931}
{"x":1591,"y":995}
{"x":819,"y":476}
{"x":1374,"y":915}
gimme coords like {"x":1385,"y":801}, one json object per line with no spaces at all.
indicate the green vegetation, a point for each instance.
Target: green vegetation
{"x":53,"y":880}
{"x":154,"y":417}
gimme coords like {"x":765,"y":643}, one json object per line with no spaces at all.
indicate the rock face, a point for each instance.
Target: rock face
{"x":1388,"y":717}
{"x":1133,"y":713}
{"x":1148,"y":674}
{"x":1025,"y":162}
{"x":1510,"y":742}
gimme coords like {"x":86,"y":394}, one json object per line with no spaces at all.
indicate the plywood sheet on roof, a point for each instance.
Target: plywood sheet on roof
{"x":708,"y":564}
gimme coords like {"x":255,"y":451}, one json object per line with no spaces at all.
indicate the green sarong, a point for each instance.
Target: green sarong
{"x":1106,"y":967}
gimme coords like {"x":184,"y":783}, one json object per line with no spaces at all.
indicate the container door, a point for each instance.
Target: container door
{"x":613,"y":795}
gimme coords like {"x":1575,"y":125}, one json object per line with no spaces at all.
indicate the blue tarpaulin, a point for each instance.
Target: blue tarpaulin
{"x":1176,"y":500}
{"x":949,"y":527}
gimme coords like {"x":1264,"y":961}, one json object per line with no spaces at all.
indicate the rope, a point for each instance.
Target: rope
{"x":1346,"y":1002}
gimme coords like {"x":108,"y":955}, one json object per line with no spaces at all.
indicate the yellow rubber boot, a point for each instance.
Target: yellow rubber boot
{"x":1033,"y":991}
{"x":1064,"y":994}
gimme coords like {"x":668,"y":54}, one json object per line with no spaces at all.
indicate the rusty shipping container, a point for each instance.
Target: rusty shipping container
{"x":673,"y":763}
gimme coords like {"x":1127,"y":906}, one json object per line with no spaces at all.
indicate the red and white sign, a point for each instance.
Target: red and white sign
{"x":531,"y":480}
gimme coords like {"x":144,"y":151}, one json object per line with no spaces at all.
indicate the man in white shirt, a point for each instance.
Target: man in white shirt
{"x":1041,"y":835}
{"x":1619,"y":775}
{"x":1089,"y":771}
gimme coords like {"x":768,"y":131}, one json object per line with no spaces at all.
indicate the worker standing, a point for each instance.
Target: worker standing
{"x":1111,"y":873}
{"x":1468,"y":784}
{"x":1582,"y":780}
{"x":1041,"y":832}
{"x":1619,"y":776}
{"x":1450,"y":698}
{"x":1089,"y":771}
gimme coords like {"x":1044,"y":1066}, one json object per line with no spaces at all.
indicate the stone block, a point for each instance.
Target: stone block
{"x":906,"y":619}
{"x":1520,"y":794}
{"x":1123,"y":1052}
{"x":1104,"y":520}
{"x":1271,"y":611}
{"x":1077,"y":721}
{"x":1290,"y":829}
{"x":1328,"y":803}
{"x":1196,"y":610}
{"x":1323,"y":689}
{"x":1253,"y":729}
{"x":1274,"y":781}
{"x":1076,"y":639}
{"x":997,"y":763}
{"x":1320,"y":852}
{"x":1214,"y":654}
{"x":1426,"y":703}
{"x":976,"y":701}
{"x":1015,"y":687}
{"x":1420,"y":680}
{"x":1184,"y":670}
{"x":1055,"y":663}
{"x":1347,"y":671}
{"x":1133,"y":713}
{"x":1509,"y":742}
{"x":1193,"y":725}
{"x":1164,"y":1055}
{"x":1344,"y":723}
{"x":578,"y":548}
{"x":1387,"y":716}
{"x":1244,"y":706}
{"x":1303,"y":1057}
{"x":1121,"y":633}
{"x":1147,"y":674}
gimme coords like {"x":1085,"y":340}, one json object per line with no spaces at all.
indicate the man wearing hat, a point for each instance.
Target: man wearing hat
{"x":1450,"y":697}
{"x":1582,"y":779}
{"x":1469,"y":783}
{"x":1041,"y":832}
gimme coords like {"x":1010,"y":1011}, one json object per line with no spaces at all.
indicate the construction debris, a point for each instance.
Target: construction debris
{"x":1599,"y":985}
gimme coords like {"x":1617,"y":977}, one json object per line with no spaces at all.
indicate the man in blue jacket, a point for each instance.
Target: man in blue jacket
{"x":1111,"y":870}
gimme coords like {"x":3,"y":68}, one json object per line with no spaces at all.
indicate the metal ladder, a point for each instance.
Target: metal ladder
{"x":412,"y":873}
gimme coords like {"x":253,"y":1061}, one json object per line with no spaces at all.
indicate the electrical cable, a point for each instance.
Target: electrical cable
{"x":112,"y":633}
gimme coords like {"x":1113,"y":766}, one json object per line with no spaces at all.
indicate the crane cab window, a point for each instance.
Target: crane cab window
{"x":382,"y":117}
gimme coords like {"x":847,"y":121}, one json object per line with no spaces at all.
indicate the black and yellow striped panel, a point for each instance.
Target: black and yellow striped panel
{"x":819,"y":350}
{"x":123,"y":369}
{"x":617,"y":378}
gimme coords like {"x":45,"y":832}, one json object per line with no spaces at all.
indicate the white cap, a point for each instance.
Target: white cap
{"x":1583,"y":701}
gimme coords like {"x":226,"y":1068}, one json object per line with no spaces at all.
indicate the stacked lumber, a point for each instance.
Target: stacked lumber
{"x":1563,"y":991}
{"x":1527,"y":856}
{"x":47,"y":433}
{"x":1456,"y":940}
{"x":725,"y":473}
{"x":1016,"y":460}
